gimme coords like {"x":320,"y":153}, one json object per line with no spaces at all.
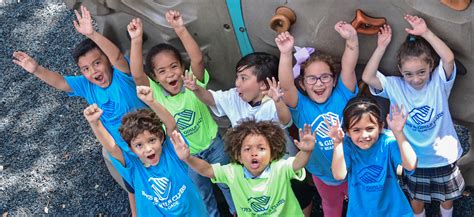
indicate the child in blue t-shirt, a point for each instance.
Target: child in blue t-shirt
{"x":105,"y":81}
{"x":159,"y":177}
{"x":323,"y":92}
{"x":369,"y":157}
{"x":424,"y":89}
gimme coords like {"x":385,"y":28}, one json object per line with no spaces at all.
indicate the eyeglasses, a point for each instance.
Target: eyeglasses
{"x":311,"y":79}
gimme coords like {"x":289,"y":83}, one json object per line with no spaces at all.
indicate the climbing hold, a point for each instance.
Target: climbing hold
{"x":458,"y":5}
{"x":366,"y":24}
{"x":282,"y":20}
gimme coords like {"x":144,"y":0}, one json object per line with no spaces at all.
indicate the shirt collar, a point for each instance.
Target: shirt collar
{"x":265,"y":174}
{"x":259,"y":103}
{"x":166,"y":93}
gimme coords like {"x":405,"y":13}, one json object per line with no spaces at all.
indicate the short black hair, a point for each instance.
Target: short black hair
{"x":264,"y":65}
{"x":82,"y":48}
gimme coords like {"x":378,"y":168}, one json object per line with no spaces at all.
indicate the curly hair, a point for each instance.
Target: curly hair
{"x":135,"y":123}
{"x":268,"y":129}
{"x":321,"y":57}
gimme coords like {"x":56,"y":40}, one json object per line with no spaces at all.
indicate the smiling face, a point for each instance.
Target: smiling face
{"x":248,"y":88}
{"x":320,"y":91}
{"x":96,"y":68}
{"x":255,"y":154}
{"x":416,"y":72}
{"x":167,"y":70}
{"x":365,"y":132}
{"x":147,"y":147}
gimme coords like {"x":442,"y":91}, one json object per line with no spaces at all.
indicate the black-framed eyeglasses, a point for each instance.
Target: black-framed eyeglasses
{"x":311,"y":79}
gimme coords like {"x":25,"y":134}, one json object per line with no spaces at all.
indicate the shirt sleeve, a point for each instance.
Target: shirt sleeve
{"x":222,"y":100}
{"x":219,"y":173}
{"x":448,"y":83}
{"x":383,"y":81}
{"x":346,"y":146}
{"x":286,"y":165}
{"x":348,"y":94}
{"x":206,"y":78}
{"x":124,"y":171}
{"x":78,"y":85}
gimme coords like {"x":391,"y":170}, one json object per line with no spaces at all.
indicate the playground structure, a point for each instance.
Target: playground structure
{"x":227,"y":30}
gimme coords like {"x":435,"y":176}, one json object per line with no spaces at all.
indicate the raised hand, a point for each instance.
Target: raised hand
{"x":25,"y":61}
{"x":417,"y":24}
{"x":285,"y":42}
{"x":189,"y":80}
{"x":346,"y":30}
{"x":384,"y":36}
{"x":180,"y":147}
{"x":397,"y":118}
{"x":174,"y":18}
{"x":145,"y":94}
{"x":83,"y":24}
{"x":275,"y":91}
{"x":135,"y":28}
{"x":335,"y":131}
{"x":307,"y":139}
{"x":92,"y":113}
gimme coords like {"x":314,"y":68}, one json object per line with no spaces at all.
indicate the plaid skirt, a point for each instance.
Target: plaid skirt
{"x":439,"y":183}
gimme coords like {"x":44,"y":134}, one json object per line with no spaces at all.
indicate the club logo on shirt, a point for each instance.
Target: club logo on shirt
{"x":184,"y":119}
{"x":161,"y":187}
{"x":108,"y":109}
{"x":371,"y":174}
{"x":322,"y":129}
{"x":421,"y":115}
{"x":259,"y":204}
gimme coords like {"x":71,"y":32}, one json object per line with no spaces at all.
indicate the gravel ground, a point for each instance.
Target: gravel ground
{"x":50,"y":162}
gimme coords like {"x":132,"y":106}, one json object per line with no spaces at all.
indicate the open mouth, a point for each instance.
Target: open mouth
{"x":254,"y":164}
{"x":99,"y":78}
{"x":319,"y":92}
{"x":151,"y":157}
{"x":173,"y":83}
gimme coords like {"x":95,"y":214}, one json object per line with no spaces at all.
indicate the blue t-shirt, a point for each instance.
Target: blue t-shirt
{"x":119,"y":98}
{"x":164,"y":189}
{"x":309,"y":112}
{"x":372,"y":179}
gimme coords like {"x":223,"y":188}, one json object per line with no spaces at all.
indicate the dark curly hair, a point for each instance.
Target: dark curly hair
{"x":155,"y":50}
{"x":135,"y":123}
{"x":317,"y":56}
{"x":268,"y":129}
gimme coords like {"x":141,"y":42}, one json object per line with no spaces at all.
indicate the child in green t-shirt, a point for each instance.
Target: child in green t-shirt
{"x":258,"y":177}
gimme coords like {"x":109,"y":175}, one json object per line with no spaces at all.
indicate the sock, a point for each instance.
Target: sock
{"x":422,"y":214}
{"x":446,"y":212}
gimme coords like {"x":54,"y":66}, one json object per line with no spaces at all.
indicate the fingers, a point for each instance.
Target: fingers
{"x":92,"y":109}
{"x":143,"y":90}
{"x":284,"y":36}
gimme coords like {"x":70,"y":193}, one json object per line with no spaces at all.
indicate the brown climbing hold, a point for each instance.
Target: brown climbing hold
{"x":458,"y":5}
{"x":282,"y":20}
{"x":366,"y":24}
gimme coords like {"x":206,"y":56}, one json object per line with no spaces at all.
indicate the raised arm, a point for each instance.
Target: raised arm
{"x":306,"y":146}
{"x":420,"y":28}
{"x":369,"y":76}
{"x":92,"y":114}
{"x":351,"y":53}
{"x":84,"y":26}
{"x":275,"y":92}
{"x":146,"y":95}
{"x":396,"y":123}
{"x":182,"y":150}
{"x":202,"y":94}
{"x":135,"y":30}
{"x":51,"y":78}
{"x":175,"y":19}
{"x":338,"y":164}
{"x":285,"y":42}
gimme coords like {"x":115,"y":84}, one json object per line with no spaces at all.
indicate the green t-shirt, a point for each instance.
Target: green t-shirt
{"x":192,"y":116}
{"x":270,"y":196}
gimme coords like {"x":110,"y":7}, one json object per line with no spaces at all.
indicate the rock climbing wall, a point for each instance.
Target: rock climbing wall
{"x":210,"y":23}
